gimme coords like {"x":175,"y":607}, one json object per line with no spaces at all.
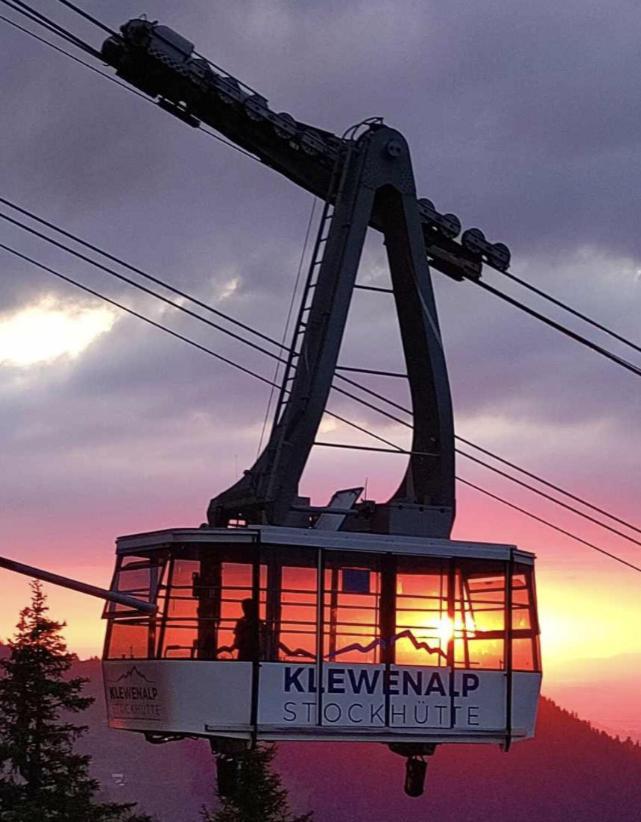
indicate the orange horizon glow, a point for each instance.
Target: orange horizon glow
{"x":588,"y":607}
{"x":573,"y":627}
{"x":579,"y":618}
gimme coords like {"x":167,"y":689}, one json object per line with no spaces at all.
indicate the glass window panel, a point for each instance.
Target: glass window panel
{"x":128,"y":639}
{"x":297,"y":634}
{"x":525,"y":646}
{"x":523,"y":654}
{"x":351,"y":609}
{"x":521,"y":618}
{"x":204,"y":606}
{"x":181,"y":602}
{"x":480,"y":597}
{"x":178,"y":627}
{"x":242,"y":633}
{"x":470,"y":652}
{"x":479,"y":614}
{"x":182,"y":579}
{"x":180,"y":641}
{"x":523,"y":605}
{"x":136,"y":577}
{"x":423,"y":628}
{"x":236,"y":587}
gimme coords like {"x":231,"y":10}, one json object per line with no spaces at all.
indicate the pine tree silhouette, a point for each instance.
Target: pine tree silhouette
{"x":258,"y":795}
{"x":42,"y":778}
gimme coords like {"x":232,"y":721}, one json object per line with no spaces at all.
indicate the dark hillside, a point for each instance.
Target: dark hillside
{"x":569,"y":772}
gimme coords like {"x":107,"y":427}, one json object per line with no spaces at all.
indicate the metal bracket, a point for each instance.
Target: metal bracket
{"x":377,"y":177}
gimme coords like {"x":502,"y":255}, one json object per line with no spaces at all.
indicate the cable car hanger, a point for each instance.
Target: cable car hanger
{"x":346,"y":622}
{"x":365,"y":179}
{"x":374,"y":173}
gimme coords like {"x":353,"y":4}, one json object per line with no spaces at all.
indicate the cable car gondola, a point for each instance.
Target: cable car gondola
{"x":353,"y":636}
{"x":280,"y":620}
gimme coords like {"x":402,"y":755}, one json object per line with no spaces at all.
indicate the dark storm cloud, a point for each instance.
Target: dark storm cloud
{"x":523,"y":119}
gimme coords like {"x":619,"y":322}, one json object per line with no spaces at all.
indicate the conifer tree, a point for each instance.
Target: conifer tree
{"x":42,"y":778}
{"x":258,"y":795}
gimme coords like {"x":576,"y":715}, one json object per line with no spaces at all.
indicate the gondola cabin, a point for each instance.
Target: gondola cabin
{"x":272,"y":633}
{"x":359,"y":620}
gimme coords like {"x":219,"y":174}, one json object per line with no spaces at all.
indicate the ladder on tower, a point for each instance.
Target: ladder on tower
{"x":296,"y":349}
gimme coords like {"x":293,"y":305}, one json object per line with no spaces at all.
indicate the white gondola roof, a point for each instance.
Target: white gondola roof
{"x":328,"y":540}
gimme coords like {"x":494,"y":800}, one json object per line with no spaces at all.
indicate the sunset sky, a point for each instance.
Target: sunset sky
{"x":523,"y":119}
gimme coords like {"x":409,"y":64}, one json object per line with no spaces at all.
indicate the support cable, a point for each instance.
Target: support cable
{"x":364,"y":430}
{"x":142,"y":288}
{"x":561,"y":328}
{"x":73,"y":57}
{"x":548,"y":523}
{"x":50,"y":25}
{"x":182,"y":308}
{"x":201,"y":128}
{"x":504,"y":474}
{"x":549,"y":497}
{"x":500,"y":459}
{"x":397,"y":450}
{"x":133,"y":313}
{"x":88,"y":16}
{"x":184,"y":295}
{"x":375,"y":394}
{"x":570,"y":310}
{"x":170,"y":331}
{"x":548,"y":484}
{"x":248,"y":371}
{"x":41,"y":19}
{"x":135,"y":269}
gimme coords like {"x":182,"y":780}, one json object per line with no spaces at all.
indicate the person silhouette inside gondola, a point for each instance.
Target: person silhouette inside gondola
{"x":251,"y":635}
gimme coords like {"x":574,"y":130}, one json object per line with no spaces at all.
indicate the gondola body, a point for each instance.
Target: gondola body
{"x":359,"y":637}
{"x":359,"y":621}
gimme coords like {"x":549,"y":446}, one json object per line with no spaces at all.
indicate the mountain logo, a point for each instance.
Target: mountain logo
{"x":133,"y":696}
{"x":133,"y":671}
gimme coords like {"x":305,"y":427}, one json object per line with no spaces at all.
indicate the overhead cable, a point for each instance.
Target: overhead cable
{"x":141,"y":287}
{"x":135,"y":269}
{"x":516,"y":303}
{"x":573,"y":335}
{"x":132,"y":312}
{"x":88,"y":16}
{"x":176,"y":305}
{"x":504,"y":474}
{"x":43,"y":20}
{"x":50,"y":25}
{"x":248,"y":371}
{"x":201,"y":128}
{"x":549,"y":484}
{"x":560,"y":304}
{"x":73,"y":57}
{"x":171,"y":332}
{"x":548,"y":497}
{"x":548,"y":523}
{"x":375,"y":394}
